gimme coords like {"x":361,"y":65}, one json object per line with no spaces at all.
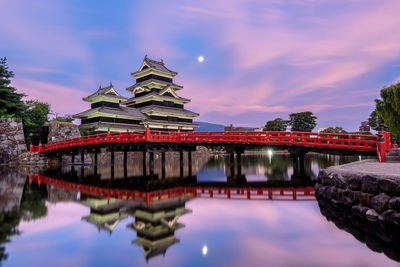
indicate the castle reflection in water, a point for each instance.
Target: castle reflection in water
{"x":153,"y":204}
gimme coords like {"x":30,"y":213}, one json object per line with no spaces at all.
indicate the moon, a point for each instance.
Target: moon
{"x":200,"y":58}
{"x":204,"y":250}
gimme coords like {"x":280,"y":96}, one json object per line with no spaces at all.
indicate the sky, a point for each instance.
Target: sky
{"x":262,"y":59}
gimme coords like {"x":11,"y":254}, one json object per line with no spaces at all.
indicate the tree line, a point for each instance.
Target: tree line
{"x":385,"y":114}
{"x":33,"y":113}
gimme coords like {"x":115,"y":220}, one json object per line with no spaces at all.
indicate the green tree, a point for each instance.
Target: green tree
{"x":278,"y":124}
{"x":336,"y":129}
{"x":35,"y":115}
{"x":86,"y":130}
{"x":375,"y":120}
{"x":11,"y":104}
{"x":302,"y":121}
{"x":389,"y":108}
{"x":66,"y":118}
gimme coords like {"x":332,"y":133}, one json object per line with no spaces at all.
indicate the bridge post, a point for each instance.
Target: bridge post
{"x":95,"y":162}
{"x":181,"y":163}
{"x":144,"y":162}
{"x":72,"y":157}
{"x":163,"y":165}
{"x":298,"y":161}
{"x":190,"y":162}
{"x":239,"y":162}
{"x":232,"y":163}
{"x":82,"y":156}
{"x":151,"y":164}
{"x":125,"y":164}
{"x":112,"y":156}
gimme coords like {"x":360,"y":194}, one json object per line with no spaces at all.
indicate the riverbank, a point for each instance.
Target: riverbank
{"x":369,"y":189}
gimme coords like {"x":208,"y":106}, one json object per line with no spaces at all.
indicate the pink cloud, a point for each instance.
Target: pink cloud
{"x":63,"y":99}
{"x":56,"y":217}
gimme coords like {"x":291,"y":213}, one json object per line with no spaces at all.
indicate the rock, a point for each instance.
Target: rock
{"x":395,"y":218}
{"x":331,"y":192}
{"x":354,"y":182}
{"x":379,"y":202}
{"x":369,"y":184}
{"x":338,"y":181}
{"x":394,"y":203}
{"x":386,"y":215}
{"x":372,"y":215}
{"x":350,"y":197}
{"x":339,"y":196}
{"x":365,"y":199}
{"x":321,"y":190}
{"x":359,"y":210}
{"x":388,"y":186}
{"x":322,"y":174}
{"x":12,"y":142}
{"x":325,"y":178}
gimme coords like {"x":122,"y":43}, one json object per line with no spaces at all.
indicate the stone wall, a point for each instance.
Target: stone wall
{"x":62,"y":130}
{"x":65,"y":130}
{"x":11,"y":189}
{"x":368,"y":189}
{"x":381,"y":238}
{"x":12,"y":140}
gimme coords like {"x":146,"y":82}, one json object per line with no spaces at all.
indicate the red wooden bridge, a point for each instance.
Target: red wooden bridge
{"x":353,"y":144}
{"x":155,"y":196}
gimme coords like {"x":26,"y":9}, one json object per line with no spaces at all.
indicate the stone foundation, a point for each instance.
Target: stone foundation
{"x":378,"y":236}
{"x":12,"y":140}
{"x":368,"y":189}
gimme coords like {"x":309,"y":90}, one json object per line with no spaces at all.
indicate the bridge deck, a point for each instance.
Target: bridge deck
{"x":323,"y":142}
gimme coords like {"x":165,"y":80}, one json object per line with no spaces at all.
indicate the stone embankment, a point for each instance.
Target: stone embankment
{"x":12,"y":140}
{"x":368,"y":189}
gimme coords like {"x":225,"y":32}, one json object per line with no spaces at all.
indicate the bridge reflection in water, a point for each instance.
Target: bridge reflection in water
{"x":156,"y":203}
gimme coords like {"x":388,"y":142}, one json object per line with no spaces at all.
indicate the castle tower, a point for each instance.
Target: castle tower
{"x":106,"y":113}
{"x":156,"y":97}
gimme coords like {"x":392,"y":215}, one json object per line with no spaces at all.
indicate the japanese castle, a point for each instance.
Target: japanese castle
{"x":155,"y":104}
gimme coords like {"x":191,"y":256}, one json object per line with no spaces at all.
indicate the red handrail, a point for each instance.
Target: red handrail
{"x":256,"y":193}
{"x":350,"y":141}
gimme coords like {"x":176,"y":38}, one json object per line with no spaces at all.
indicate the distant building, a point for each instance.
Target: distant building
{"x":232,"y":128}
{"x":364,"y":127}
{"x":155,"y":104}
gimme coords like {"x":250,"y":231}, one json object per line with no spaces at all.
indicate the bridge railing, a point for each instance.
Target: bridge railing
{"x":351,"y":141}
{"x":255,"y":193}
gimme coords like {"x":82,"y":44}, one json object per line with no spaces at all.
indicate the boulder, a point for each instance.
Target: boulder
{"x":388,"y":186}
{"x":350,"y":197}
{"x":370,"y":184}
{"x":354,"y":182}
{"x":338,"y":181}
{"x":365,"y":199}
{"x":359,"y":210}
{"x":394,"y":203}
{"x":380,"y":202}
{"x":372,"y":215}
{"x":386,"y":215}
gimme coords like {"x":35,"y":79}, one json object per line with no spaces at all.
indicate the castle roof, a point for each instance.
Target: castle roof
{"x":132,"y":87}
{"x":166,"y":97}
{"x":154,"y":64}
{"x":118,"y":111}
{"x":107,"y":91}
{"x":168,"y":110}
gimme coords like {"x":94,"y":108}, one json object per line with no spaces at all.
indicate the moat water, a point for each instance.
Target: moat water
{"x":64,"y":217}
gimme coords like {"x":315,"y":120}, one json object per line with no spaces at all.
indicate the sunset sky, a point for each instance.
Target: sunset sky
{"x":262,"y":59}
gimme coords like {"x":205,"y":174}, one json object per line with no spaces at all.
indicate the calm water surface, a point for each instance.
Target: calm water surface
{"x":49,"y":225}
